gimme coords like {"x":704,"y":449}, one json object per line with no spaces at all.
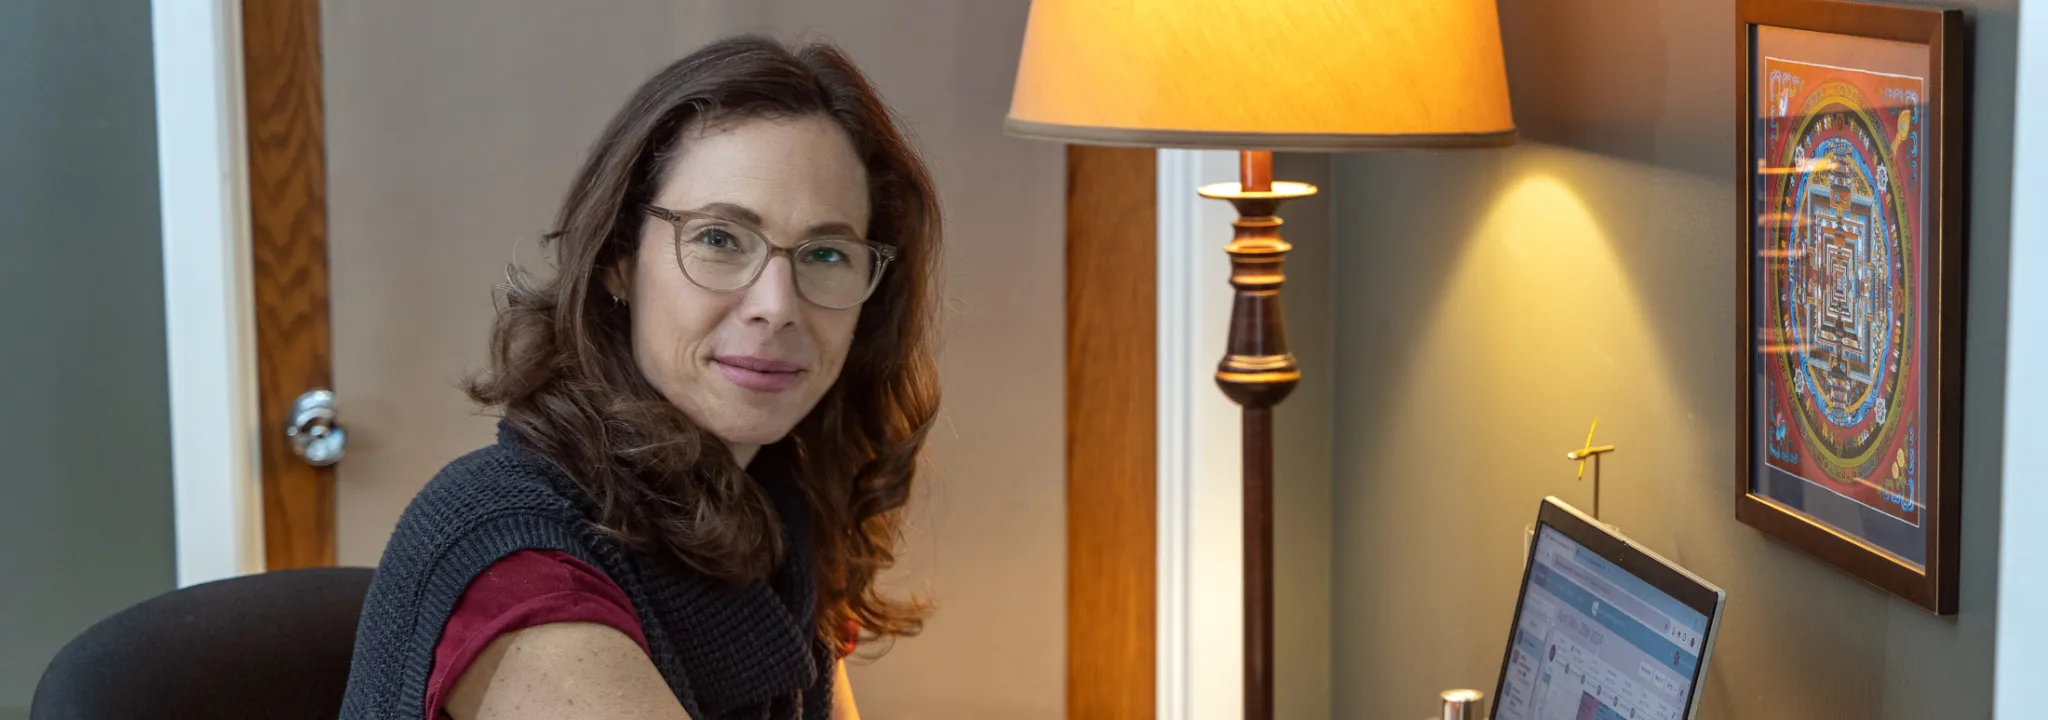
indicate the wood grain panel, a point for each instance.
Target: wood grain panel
{"x":288,"y":221}
{"x":1111,"y":439}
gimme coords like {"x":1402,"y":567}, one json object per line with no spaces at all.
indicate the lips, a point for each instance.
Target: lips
{"x":758,"y":373}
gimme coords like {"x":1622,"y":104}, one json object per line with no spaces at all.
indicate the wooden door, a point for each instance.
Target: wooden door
{"x":288,"y":237}
{"x":401,"y":156}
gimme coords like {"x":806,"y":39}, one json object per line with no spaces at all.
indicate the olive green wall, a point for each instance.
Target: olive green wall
{"x":1490,"y":304}
{"x":85,"y":445}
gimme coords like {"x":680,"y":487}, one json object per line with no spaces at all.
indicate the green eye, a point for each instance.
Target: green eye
{"x":827,"y":255}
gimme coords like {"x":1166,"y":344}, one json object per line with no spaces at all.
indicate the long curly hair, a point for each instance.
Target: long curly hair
{"x":562,"y":369}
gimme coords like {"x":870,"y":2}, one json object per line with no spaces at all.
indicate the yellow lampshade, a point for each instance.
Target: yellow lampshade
{"x":1311,"y":75}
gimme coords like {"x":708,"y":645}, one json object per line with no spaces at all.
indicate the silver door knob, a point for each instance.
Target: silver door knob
{"x":316,"y":436}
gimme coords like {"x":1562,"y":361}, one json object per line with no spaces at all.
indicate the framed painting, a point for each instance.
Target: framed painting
{"x":1851,"y":124}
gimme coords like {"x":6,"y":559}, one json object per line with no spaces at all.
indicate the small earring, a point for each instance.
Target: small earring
{"x":617,"y":301}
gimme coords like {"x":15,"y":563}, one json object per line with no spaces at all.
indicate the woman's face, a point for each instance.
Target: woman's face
{"x":747,"y":365}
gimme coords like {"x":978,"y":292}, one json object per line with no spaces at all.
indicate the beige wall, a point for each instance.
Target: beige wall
{"x":1490,"y":304}
{"x":454,"y":128}
{"x":453,"y":131}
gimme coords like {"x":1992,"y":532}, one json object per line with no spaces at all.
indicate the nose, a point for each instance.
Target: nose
{"x":772,"y":300}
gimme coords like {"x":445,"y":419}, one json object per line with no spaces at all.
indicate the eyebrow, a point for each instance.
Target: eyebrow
{"x":745,"y":215}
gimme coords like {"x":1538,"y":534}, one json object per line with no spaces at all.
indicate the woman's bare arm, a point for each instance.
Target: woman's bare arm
{"x":563,"y":670}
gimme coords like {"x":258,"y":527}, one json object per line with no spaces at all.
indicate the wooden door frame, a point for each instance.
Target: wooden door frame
{"x":1112,"y":535}
{"x":1151,"y":444}
{"x":287,"y":161}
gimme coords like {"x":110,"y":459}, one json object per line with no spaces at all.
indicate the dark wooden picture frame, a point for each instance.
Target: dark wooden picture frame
{"x":1768,"y":496}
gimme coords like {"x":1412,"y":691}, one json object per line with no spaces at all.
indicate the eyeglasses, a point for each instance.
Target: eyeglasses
{"x":724,"y":255}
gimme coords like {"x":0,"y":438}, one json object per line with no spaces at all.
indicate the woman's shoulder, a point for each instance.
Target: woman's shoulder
{"x":506,"y":469}
{"x":493,"y":485}
{"x":497,"y":474}
{"x":481,"y":507}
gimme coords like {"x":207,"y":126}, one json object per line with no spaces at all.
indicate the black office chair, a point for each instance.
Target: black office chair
{"x":273,"y":645}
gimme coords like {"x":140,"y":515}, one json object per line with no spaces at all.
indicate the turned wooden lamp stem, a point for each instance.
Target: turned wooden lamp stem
{"x":1255,"y":170}
{"x":1257,"y":372}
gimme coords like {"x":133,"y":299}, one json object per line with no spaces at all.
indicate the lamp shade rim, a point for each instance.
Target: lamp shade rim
{"x":1294,"y":142}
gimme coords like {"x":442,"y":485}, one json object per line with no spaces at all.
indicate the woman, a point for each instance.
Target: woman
{"x":712,"y":413}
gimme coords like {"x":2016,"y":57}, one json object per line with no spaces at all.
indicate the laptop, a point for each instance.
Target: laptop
{"x":1604,"y":629}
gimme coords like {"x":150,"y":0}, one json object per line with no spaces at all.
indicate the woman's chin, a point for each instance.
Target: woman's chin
{"x":752,"y":434}
{"x":738,"y":418}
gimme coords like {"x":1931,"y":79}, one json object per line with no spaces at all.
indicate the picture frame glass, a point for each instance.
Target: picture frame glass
{"x":1839,"y":276}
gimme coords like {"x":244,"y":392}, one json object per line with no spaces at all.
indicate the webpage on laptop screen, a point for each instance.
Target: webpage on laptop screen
{"x":1596,"y":643}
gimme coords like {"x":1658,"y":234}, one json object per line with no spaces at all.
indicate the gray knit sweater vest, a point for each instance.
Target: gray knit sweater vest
{"x":728,"y":651}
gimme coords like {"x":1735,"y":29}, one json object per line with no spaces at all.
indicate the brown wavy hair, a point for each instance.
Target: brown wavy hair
{"x":562,"y":369}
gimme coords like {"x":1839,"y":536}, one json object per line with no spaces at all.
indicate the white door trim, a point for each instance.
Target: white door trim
{"x":1200,"y":616}
{"x":209,"y":321}
{"x":2023,"y":543}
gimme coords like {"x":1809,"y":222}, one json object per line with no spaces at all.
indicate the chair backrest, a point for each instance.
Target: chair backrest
{"x":273,"y":645}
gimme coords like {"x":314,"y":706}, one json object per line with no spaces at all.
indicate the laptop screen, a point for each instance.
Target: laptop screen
{"x":1595,"y":642}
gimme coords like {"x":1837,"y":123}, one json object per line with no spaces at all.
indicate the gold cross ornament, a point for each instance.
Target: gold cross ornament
{"x":1589,"y":452}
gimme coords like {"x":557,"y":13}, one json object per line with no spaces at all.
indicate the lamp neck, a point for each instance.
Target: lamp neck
{"x":1255,"y":170}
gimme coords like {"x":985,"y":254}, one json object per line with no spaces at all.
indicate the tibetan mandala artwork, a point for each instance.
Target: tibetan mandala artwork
{"x":1838,"y":287}
{"x":1849,"y":299}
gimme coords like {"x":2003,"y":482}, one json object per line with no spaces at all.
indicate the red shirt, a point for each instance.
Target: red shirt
{"x":519,"y":591}
{"x":522,"y":590}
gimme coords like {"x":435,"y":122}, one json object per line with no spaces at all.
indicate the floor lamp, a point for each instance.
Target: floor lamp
{"x":1254,"y":76}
